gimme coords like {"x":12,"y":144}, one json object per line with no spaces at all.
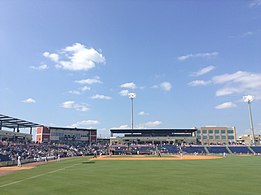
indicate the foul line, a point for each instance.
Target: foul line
{"x":50,"y":172}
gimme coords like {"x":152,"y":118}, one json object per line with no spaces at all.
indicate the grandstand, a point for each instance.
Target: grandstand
{"x":218,"y":149}
{"x":13,"y":127}
{"x":153,"y":136}
{"x":65,"y":135}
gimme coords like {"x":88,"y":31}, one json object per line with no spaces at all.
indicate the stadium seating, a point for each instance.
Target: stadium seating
{"x":170,"y":149}
{"x":4,"y":158}
{"x":217,"y":149}
{"x":256,"y":149}
{"x":240,"y":150}
{"x":194,"y":149}
{"x":145,"y":149}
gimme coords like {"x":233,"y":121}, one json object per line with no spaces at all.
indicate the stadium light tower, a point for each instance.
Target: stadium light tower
{"x":249,"y":99}
{"x":132,"y":96}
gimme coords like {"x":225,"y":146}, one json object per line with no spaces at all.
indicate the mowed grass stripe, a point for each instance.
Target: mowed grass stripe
{"x":232,"y":175}
{"x":33,"y":177}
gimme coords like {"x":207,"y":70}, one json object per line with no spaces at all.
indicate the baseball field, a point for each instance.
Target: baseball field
{"x":145,"y":175}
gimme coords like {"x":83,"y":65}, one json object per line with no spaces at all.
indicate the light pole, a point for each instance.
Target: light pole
{"x":249,"y":99}
{"x":132,"y":96}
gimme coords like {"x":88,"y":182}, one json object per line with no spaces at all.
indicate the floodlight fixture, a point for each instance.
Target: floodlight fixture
{"x":249,"y":99}
{"x":132,"y":95}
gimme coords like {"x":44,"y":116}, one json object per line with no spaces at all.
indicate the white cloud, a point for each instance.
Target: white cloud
{"x":29,"y":101}
{"x":166,"y":86}
{"x":80,"y":91}
{"x":121,"y":127}
{"x":124,"y":92}
{"x":76,"y":57}
{"x":41,"y":67}
{"x":52,"y":56}
{"x":198,"y":55}
{"x":85,"y":88}
{"x":226,"y":105}
{"x":89,"y":81}
{"x":239,"y":82}
{"x":142,"y":113}
{"x":255,"y":3}
{"x":150,"y":124}
{"x":128,"y":85}
{"x":101,"y":97}
{"x":75,"y":106}
{"x":199,"y":83}
{"x":247,"y":34}
{"x":75,"y":92}
{"x":204,"y":70}
{"x":85,"y":123}
{"x":227,"y":91}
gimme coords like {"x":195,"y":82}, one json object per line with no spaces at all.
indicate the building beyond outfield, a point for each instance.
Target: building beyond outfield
{"x":65,"y":135}
{"x":204,"y":135}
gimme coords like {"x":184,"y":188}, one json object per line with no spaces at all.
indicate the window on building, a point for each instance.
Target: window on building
{"x":210,"y":131}
{"x":211,"y":137}
{"x":223,"y":131}
{"x":217,"y":137}
{"x":205,"y":137}
{"x":230,"y":131}
{"x":204,"y":131}
{"x":217,"y":131}
{"x":224,"y":137}
{"x":231,"y":137}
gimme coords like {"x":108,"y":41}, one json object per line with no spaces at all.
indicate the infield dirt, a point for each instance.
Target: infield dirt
{"x":11,"y":169}
{"x":141,"y":157}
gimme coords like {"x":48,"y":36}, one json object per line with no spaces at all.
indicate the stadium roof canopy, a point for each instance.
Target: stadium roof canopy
{"x":71,"y":128}
{"x":153,"y":130}
{"x":10,"y":122}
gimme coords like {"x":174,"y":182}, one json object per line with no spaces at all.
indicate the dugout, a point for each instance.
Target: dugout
{"x":153,"y":136}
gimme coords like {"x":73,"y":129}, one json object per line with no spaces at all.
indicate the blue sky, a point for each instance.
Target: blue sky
{"x":72,"y":63}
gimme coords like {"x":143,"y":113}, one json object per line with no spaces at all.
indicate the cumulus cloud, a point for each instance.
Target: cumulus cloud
{"x":85,"y":88}
{"x":228,"y":91}
{"x":41,"y":67}
{"x":128,"y":85}
{"x":75,"y":92}
{"x":142,"y":113}
{"x":226,"y":105}
{"x":85,"y":123}
{"x":101,"y":97}
{"x":52,"y":56}
{"x":240,"y":82}
{"x":80,"y":90}
{"x":198,"y":55}
{"x":89,"y":81}
{"x":29,"y":101}
{"x":204,"y":70}
{"x":121,"y":127}
{"x":247,"y":34}
{"x":76,"y":57}
{"x":124,"y":92}
{"x":75,"y":106}
{"x":237,"y":83}
{"x":166,"y":86}
{"x":199,"y":83}
{"x":150,"y":124}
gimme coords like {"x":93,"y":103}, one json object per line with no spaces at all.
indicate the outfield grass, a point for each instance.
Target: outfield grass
{"x":231,"y":175}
